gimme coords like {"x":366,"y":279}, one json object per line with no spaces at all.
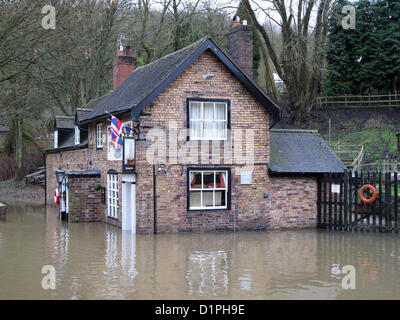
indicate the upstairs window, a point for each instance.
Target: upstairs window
{"x":77,"y":135}
{"x":55,"y":139}
{"x":208,"y":120}
{"x":99,"y":136}
{"x":208,"y":189}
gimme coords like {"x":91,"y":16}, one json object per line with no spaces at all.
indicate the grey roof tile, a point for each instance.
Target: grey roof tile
{"x":301,"y":151}
{"x":140,"y":83}
{"x":65,"y":122}
{"x":81,"y":113}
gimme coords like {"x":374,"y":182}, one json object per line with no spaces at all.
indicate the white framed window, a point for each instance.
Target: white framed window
{"x":208,"y":189}
{"x":55,"y":139}
{"x":113,"y":195}
{"x":99,"y":136}
{"x":208,"y":120}
{"x":77,"y":135}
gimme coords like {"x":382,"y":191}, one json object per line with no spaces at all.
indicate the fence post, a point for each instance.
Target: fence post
{"x":319,"y":182}
{"x":380,"y":201}
{"x":395,"y":202}
{"x":330,"y":200}
{"x":345,"y":192}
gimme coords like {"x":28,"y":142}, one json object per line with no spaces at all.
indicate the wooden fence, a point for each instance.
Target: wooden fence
{"x":340,"y":206}
{"x":351,"y":155}
{"x":383,"y":166}
{"x":358,"y":101}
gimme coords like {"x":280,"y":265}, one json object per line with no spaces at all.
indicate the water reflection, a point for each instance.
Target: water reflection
{"x":207,"y":273}
{"x":96,"y":261}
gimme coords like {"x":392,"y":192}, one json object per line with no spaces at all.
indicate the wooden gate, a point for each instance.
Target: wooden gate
{"x":340,"y":206}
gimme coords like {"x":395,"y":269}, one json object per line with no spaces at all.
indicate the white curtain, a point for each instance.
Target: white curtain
{"x":220,"y":114}
{"x":208,"y":198}
{"x":195,"y":119}
{"x":208,"y":120}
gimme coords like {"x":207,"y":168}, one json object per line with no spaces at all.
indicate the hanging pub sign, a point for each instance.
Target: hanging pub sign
{"x":128,"y":159}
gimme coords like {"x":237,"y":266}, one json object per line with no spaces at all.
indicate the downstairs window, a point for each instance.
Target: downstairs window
{"x":208,"y":189}
{"x":113,"y":195}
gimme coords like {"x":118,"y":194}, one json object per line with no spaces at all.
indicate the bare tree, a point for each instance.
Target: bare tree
{"x":303,"y":27}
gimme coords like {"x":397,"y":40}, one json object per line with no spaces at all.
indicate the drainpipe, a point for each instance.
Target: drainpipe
{"x":398,"y":146}
{"x":154,"y":199}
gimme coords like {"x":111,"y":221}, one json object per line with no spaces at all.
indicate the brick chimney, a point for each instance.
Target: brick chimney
{"x":124,"y":65}
{"x":240,"y":45}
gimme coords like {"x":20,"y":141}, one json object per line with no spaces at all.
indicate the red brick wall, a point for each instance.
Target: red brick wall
{"x":240,"y":47}
{"x":293,"y":202}
{"x":84,"y":203}
{"x":66,"y":160}
{"x":123,"y":67}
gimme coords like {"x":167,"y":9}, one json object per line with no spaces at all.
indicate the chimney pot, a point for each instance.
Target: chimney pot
{"x":236,"y":21}
{"x":129,"y":51}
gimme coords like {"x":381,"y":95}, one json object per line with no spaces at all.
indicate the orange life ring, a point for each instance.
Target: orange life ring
{"x":56,"y":197}
{"x":374,"y":193}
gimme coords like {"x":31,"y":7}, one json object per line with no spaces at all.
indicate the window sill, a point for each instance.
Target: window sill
{"x":207,"y":139}
{"x":211,"y":209}
{"x":112,"y":218}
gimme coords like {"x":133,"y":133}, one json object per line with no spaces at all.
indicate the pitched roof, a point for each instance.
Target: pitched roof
{"x":64,"y":122}
{"x":81,"y":113}
{"x":146,"y":82}
{"x":301,"y":151}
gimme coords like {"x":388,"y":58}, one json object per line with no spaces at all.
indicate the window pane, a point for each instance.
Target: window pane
{"x":195,"y":199}
{"x":195,"y":110}
{"x":208,"y":198}
{"x":221,"y":179}
{"x":195,"y":180}
{"x":208,"y":111}
{"x":208,"y":129}
{"x":220,"y":200}
{"x":220,"y":129}
{"x":195,"y":127}
{"x":220,"y":111}
{"x":208,"y":180}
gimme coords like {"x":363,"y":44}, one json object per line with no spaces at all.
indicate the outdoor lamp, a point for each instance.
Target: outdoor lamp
{"x":60,"y":175}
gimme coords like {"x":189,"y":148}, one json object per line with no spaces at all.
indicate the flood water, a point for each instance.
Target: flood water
{"x":96,"y":261}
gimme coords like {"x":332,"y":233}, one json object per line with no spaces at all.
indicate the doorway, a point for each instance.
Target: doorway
{"x":129,"y":203}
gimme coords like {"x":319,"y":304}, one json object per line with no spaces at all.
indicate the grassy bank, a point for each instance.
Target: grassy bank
{"x":374,"y":128}
{"x":379,"y":143}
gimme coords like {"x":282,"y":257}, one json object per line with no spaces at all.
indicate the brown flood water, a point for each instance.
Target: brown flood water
{"x":96,"y":261}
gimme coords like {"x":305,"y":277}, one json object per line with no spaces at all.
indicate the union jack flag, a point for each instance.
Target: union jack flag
{"x":117,"y":128}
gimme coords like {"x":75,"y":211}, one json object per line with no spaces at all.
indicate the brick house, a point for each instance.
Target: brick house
{"x":204,"y":155}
